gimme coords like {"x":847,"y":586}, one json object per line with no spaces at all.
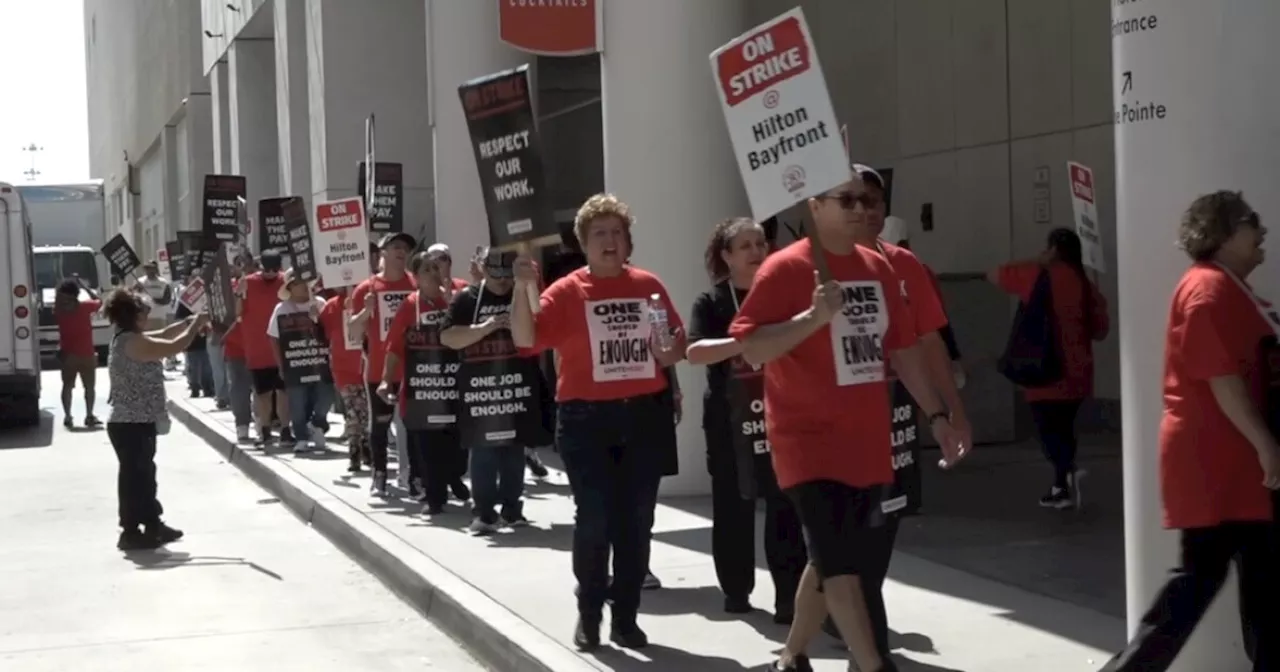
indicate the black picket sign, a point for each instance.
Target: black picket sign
{"x":301,"y":249}
{"x":504,"y":134}
{"x":177,"y":260}
{"x":223,"y":199}
{"x":745,"y":392}
{"x":500,"y":393}
{"x":385,"y":210}
{"x":904,"y":496}
{"x":120,"y":255}
{"x":220,"y":296}
{"x":430,"y":377}
{"x":305,"y":357}
{"x":273,"y":231}
{"x":193,"y":244}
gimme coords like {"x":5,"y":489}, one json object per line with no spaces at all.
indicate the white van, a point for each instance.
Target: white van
{"x":19,"y":354}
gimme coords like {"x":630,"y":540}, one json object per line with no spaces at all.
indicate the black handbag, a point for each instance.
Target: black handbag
{"x":1033,"y":357}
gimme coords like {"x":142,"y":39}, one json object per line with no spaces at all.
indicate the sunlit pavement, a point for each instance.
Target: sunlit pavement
{"x":250,"y":587}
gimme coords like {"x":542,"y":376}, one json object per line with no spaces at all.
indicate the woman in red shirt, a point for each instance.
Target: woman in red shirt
{"x":614,"y":423}
{"x":345,"y":362}
{"x":1219,"y":460}
{"x":1080,"y":312}
{"x":826,"y":347}
{"x":259,"y":294}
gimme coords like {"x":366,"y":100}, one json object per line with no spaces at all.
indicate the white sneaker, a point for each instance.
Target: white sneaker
{"x":242,"y":434}
{"x":479,"y":527}
{"x":317,"y":438}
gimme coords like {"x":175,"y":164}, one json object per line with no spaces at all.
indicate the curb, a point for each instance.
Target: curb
{"x":500,"y":639}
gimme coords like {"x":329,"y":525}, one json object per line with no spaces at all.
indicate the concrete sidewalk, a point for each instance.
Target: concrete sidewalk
{"x":250,"y":588}
{"x":509,"y":597}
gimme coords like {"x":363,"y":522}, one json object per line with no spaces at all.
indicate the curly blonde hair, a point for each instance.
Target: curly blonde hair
{"x":599,"y":207}
{"x":1211,"y":220}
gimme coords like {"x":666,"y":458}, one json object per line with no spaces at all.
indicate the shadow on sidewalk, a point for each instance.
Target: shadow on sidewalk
{"x":163,"y":558}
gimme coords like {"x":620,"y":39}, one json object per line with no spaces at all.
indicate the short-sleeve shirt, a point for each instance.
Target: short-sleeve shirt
{"x":1068,"y":287}
{"x":410,"y":312}
{"x":919,"y":288}
{"x":1209,"y":472}
{"x":290,"y":308}
{"x":389,"y":295}
{"x":75,"y":328}
{"x":827,"y":408}
{"x":345,"y":354}
{"x":713,"y":311}
{"x":260,"y":298}
{"x":599,"y":329}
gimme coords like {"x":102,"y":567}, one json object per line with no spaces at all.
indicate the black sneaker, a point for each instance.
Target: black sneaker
{"x":514,"y":520}
{"x":1058,"y":498}
{"x":353,"y":466}
{"x":784,"y":615}
{"x":68,"y":422}
{"x":737,"y":605}
{"x":92,"y":421}
{"x":628,"y":635}
{"x":460,"y":491}
{"x":798,"y":664}
{"x":586,"y":634}
{"x":163,"y":533}
{"x":135,"y":540}
{"x":286,"y":437}
{"x":536,"y":467}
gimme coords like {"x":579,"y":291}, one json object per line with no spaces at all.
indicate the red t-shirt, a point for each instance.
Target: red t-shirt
{"x":388,"y":297}
{"x":918,"y":286}
{"x":233,"y":343}
{"x":75,"y":329}
{"x":458,"y":284}
{"x":599,"y":329}
{"x":345,"y":353}
{"x":826,"y":402}
{"x":1209,"y":472}
{"x":1068,"y":309}
{"x":260,"y":298}
{"x":406,"y":318}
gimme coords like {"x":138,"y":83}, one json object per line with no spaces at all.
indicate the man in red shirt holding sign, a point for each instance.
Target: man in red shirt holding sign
{"x":826,"y":346}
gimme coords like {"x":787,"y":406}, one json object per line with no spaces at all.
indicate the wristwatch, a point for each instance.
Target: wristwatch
{"x":940,"y":415}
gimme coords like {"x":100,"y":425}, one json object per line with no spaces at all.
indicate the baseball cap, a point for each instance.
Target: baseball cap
{"x":270,"y":261}
{"x":440,"y":249}
{"x":895,"y":230}
{"x":401,"y":237}
{"x":868,"y":174}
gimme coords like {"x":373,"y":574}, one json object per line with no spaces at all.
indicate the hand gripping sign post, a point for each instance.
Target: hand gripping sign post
{"x":223,"y":195}
{"x":504,"y":133}
{"x":121,"y":257}
{"x":341,"y":241}
{"x":430,"y":375}
{"x":1085,"y":209}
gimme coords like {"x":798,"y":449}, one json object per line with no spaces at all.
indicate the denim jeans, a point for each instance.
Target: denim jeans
{"x":309,"y":406}
{"x":241,"y":393}
{"x":199,"y":374}
{"x":218,"y":369}
{"x":497,"y":479}
{"x":612,"y":455}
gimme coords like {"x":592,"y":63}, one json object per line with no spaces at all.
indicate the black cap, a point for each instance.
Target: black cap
{"x":868,"y":174}
{"x":393,"y":237}
{"x":271,"y":261}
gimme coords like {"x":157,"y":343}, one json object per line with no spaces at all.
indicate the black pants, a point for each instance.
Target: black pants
{"x":733,"y":529}
{"x":380,"y":416}
{"x":497,"y":480}
{"x":877,"y":570}
{"x":1178,"y":608}
{"x":1056,"y":423}
{"x":135,"y":446}
{"x":611,"y":456}
{"x":436,"y":459}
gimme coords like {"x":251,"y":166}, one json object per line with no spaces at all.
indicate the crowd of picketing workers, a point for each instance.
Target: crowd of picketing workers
{"x":825,"y":325}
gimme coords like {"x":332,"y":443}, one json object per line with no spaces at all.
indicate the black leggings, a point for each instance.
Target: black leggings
{"x":381,"y":415}
{"x":1056,"y":423}
{"x":135,"y":446}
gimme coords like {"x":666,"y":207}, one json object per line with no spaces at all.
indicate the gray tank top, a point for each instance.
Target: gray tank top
{"x":137,"y":388}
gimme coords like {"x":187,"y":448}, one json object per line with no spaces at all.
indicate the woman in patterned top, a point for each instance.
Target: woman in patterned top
{"x":136,"y":372}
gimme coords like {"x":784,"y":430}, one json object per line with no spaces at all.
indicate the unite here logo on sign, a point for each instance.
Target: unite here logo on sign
{"x":1085,"y":209}
{"x":779,"y":115}
{"x":341,"y":242}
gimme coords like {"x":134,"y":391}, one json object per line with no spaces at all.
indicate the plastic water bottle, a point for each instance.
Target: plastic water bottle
{"x":658,"y":322}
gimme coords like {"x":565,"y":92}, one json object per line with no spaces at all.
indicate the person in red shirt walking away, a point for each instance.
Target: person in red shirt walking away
{"x":616,"y":421}
{"x":345,"y":362}
{"x":826,"y":347}
{"x":75,"y":342}
{"x":1219,"y":458}
{"x":374,"y":305}
{"x":1080,"y":312}
{"x":259,"y":294}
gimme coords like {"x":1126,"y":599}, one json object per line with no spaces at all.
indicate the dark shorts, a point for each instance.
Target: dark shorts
{"x":840,"y":524}
{"x":266,"y":380}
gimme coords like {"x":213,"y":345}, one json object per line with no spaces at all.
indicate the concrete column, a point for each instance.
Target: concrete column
{"x":1175,"y":63}
{"x":366,"y":57}
{"x":462,"y":44}
{"x":201,"y":156}
{"x":293,"y":118}
{"x":254,"y":138}
{"x":169,"y":147}
{"x":220,"y":93}
{"x":667,"y":154}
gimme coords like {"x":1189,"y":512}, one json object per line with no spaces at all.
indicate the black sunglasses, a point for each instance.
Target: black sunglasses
{"x":849,"y":201}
